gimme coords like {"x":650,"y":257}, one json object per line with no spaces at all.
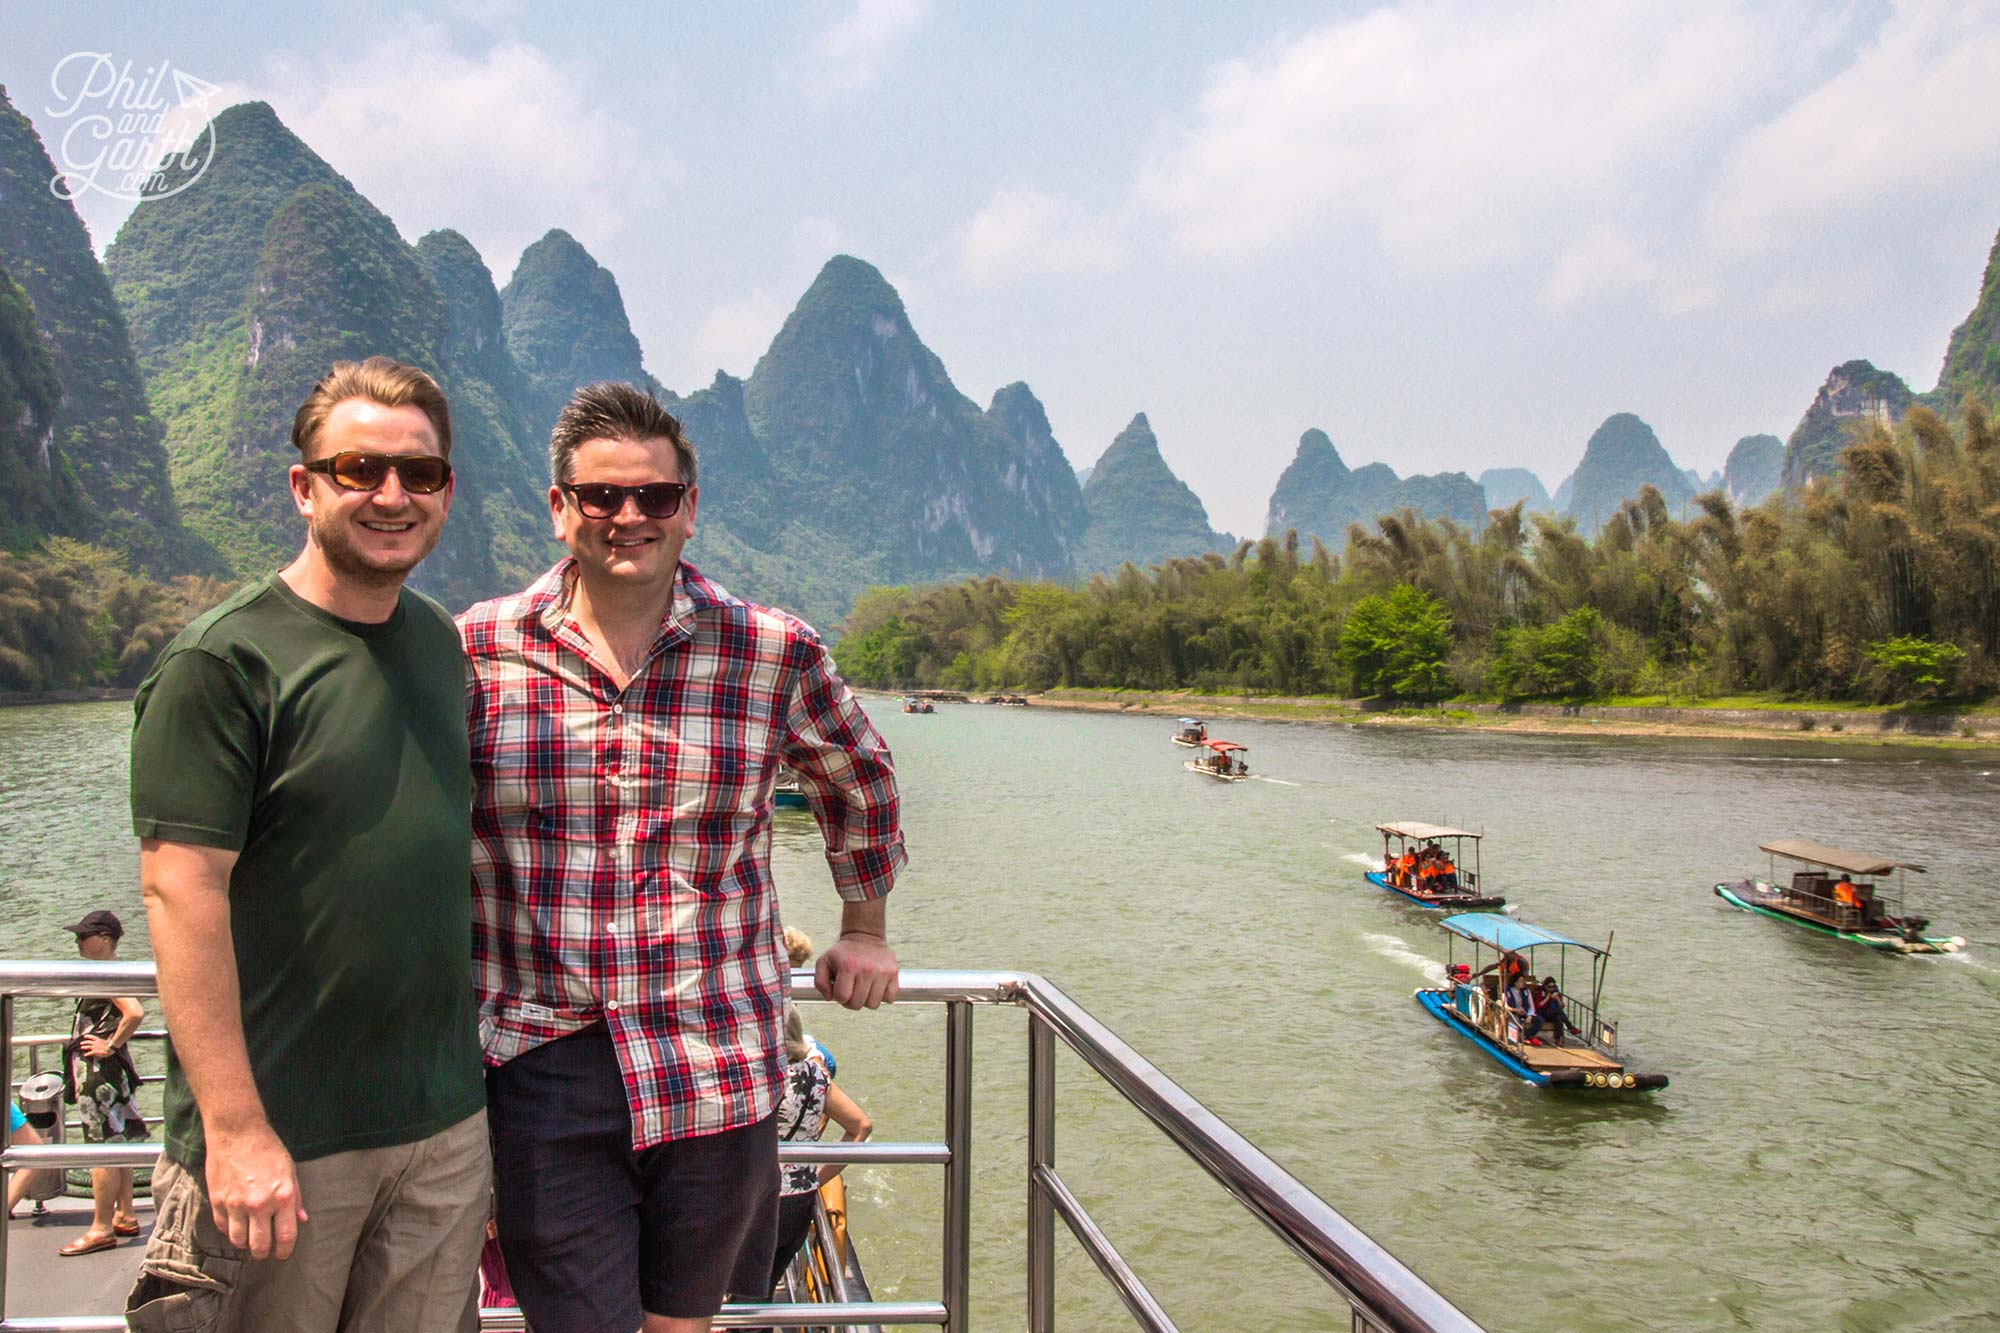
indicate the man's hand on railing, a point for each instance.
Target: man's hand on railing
{"x":858,"y":971}
{"x":253,"y":1190}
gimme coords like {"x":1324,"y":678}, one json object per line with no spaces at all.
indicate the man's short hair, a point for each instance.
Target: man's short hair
{"x":609,"y":410}
{"x":379,"y":379}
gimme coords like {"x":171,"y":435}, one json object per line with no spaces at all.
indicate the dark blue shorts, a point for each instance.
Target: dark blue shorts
{"x":593,"y":1233}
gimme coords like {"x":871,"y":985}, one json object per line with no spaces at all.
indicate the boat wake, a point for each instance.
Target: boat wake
{"x":1280,"y":781}
{"x":1364,"y":860}
{"x":1396,"y":951}
{"x":1785,"y":759}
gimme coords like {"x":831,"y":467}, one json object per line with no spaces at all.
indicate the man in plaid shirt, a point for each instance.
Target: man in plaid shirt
{"x":627,"y":720}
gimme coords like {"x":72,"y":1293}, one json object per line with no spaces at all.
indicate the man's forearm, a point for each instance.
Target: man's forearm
{"x":187,"y":910}
{"x":869,"y":916}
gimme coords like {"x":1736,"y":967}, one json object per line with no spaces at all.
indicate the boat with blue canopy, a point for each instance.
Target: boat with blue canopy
{"x":1416,"y":865}
{"x":1193,"y":732}
{"x":1837,"y":894}
{"x":1538,"y":1030}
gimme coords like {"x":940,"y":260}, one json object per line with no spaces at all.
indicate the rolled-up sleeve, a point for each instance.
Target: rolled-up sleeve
{"x":848,"y":776}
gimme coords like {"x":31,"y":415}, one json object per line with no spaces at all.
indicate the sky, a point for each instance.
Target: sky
{"x":1453,"y":235}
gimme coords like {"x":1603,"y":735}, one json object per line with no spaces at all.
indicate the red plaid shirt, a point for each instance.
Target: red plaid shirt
{"x":621,"y":839}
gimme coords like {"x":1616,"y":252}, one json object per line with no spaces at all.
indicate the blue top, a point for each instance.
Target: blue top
{"x":1506,"y":933}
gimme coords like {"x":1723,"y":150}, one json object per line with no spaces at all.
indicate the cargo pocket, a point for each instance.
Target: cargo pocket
{"x":190,"y":1270}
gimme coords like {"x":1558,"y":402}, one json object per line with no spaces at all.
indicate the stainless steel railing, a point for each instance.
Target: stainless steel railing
{"x":1378,"y":1291}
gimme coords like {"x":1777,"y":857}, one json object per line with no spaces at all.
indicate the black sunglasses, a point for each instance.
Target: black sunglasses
{"x":600,"y":499}
{"x":421,"y":474}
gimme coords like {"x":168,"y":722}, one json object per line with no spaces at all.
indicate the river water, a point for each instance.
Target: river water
{"x":1825,"y":1158}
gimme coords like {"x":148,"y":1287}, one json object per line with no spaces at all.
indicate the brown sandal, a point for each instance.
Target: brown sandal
{"x":125,"y":1228}
{"x":87,"y":1244}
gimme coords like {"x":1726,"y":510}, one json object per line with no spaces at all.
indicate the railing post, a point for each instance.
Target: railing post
{"x":6,"y":1174}
{"x":1041,"y":1153}
{"x":958,"y":1171}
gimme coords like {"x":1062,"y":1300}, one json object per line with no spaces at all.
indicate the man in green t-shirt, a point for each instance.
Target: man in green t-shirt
{"x":301,"y":789}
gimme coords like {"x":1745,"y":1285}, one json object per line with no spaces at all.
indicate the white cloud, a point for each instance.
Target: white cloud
{"x":850,"y":53}
{"x":1022,"y":232}
{"x":1914,"y":118}
{"x":1461,"y":132}
{"x":501,"y":145}
{"x":1603,"y":262}
{"x":733,"y":335}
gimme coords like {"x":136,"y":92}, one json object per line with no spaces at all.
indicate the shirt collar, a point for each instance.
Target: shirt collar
{"x":547,"y":599}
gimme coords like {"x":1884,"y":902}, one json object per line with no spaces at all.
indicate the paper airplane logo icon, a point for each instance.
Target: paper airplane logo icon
{"x":192,"y":91}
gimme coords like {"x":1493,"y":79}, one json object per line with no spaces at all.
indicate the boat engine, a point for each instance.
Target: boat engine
{"x":1912,"y":928}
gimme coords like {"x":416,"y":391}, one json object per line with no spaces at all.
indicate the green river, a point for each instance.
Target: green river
{"x":1825,"y":1158}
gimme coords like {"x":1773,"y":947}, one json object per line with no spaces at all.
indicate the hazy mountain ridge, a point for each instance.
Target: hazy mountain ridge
{"x":1507,"y":486}
{"x":1140,"y":512}
{"x":1755,"y":466}
{"x":1622,"y":457}
{"x":1317,"y":495}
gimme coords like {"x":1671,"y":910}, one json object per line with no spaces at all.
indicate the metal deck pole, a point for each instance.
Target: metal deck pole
{"x":1041,"y":1153}
{"x":6,"y":1173}
{"x":957,"y":1172}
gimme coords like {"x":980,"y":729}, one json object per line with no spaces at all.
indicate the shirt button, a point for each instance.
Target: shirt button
{"x":611,"y":926}
{"x":611,"y":1006}
{"x":618,"y":710}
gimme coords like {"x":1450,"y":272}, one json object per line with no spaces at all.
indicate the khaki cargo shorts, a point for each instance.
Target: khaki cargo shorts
{"x":191,"y":1269}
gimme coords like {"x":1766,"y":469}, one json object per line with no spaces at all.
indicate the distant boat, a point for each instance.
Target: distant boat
{"x":1846,"y":905}
{"x":1493,"y":1009}
{"x":1220,"y":764}
{"x":786,"y":793}
{"x":1433,"y":879}
{"x":918,"y":706}
{"x":1193,"y":732}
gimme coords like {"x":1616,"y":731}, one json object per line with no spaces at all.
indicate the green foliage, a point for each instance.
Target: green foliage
{"x":72,"y":616}
{"x":1854,"y":397}
{"x":1972,"y":361}
{"x":1796,"y":597}
{"x":1395,"y":645}
{"x":1916,"y":668}
{"x":1559,"y":661}
{"x":566,"y":326}
{"x":106,"y":475}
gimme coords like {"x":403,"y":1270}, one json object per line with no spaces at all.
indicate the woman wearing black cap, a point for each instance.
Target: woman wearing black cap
{"x":103,"y":1084}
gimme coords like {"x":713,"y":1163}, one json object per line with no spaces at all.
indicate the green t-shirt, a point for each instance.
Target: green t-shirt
{"x":331,"y":756}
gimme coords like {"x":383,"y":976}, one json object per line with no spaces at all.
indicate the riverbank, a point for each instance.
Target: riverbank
{"x":28,"y":698}
{"x":1977,"y":729}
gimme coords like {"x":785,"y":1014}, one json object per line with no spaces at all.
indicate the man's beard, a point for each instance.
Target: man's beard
{"x":337,"y":547}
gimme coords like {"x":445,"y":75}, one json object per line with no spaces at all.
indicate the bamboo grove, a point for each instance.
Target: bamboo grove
{"x":1882,"y":582}
{"x":72,"y":616}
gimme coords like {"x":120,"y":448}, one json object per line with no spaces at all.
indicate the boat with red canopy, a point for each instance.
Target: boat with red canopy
{"x":1224,"y":762}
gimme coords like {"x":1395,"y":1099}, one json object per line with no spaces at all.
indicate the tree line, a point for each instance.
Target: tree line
{"x":73,"y":616}
{"x":1882,"y":582}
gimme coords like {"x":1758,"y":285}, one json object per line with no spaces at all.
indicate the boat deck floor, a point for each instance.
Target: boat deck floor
{"x":41,"y":1283}
{"x":1547,"y":1059}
